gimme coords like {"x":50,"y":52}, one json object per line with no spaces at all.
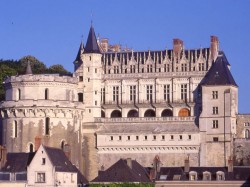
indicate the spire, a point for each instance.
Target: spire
{"x":80,"y":51}
{"x":28,"y":69}
{"x":91,"y":45}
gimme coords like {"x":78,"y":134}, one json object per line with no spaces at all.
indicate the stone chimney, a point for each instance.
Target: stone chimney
{"x":67,"y":150}
{"x":38,"y":142}
{"x":230,"y":164}
{"x":177,"y":45}
{"x":186,"y":165}
{"x":3,"y":156}
{"x":129,"y":163}
{"x":214,"y":47}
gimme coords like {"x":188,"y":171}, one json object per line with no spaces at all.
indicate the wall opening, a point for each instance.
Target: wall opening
{"x":47,"y":130}
{"x":116,"y":114}
{"x":149,"y":113}
{"x":167,"y":113}
{"x":80,"y":97}
{"x":132,"y":114}
{"x":46,"y":94}
{"x":184,"y":112}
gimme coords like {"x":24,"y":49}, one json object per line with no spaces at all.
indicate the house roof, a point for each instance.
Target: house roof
{"x":17,"y":162}
{"x":219,"y":73}
{"x":91,"y":45}
{"x":121,"y":172}
{"x":80,"y":51}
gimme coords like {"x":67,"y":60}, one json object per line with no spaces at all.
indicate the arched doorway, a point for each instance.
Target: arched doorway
{"x":116,"y":114}
{"x":149,"y":113}
{"x":184,"y":112}
{"x":167,"y":113}
{"x":132,"y":114}
{"x":102,"y":114}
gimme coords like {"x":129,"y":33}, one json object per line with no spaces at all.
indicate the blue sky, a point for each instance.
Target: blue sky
{"x":51,"y":30}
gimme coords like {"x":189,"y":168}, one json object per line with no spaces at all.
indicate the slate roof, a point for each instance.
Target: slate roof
{"x":80,"y":51}
{"x":28,"y":69}
{"x":17,"y":162}
{"x":219,"y":73}
{"x":91,"y":45}
{"x":121,"y":172}
{"x":239,"y":173}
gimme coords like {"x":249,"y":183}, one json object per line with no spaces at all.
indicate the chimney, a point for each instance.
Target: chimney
{"x":214,"y":47}
{"x":230,"y":164}
{"x":38,"y":142}
{"x":129,"y":163}
{"x":3,"y":156}
{"x":67,"y":150}
{"x":186,"y":165}
{"x":177,"y":45}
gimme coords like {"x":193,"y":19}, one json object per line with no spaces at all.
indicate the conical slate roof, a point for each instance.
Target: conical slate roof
{"x":80,"y":51}
{"x":28,"y":69}
{"x":219,"y":73}
{"x":91,"y":45}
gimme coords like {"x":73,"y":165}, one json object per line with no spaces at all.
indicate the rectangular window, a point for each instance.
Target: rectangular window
{"x":95,"y":70}
{"x":154,"y":137}
{"x":180,"y":137}
{"x":128,"y":137}
{"x":183,"y":67}
{"x":145,"y":138}
{"x":120,"y":137}
{"x":201,"y":67}
{"x":103,"y":95}
{"x":43,"y":161}
{"x":95,"y":103}
{"x":80,"y":78}
{"x":215,"y":94}
{"x":215,"y":124}
{"x":184,"y":92}
{"x":132,"y":68}
{"x":80,"y":97}
{"x":162,"y":137}
{"x":40,"y":177}
{"x":14,"y":129}
{"x":189,"y":137}
{"x":149,"y":93}
{"x":215,"y":139}
{"x":137,"y":138}
{"x":116,"y":69}
{"x":215,"y":110}
{"x":172,"y":137}
{"x":166,"y":92}
{"x":111,"y":138}
{"x":116,"y":93}
{"x":132,"y":93}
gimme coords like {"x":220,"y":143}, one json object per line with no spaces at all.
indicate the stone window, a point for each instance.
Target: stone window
{"x":215,"y":110}
{"x":183,"y":67}
{"x":132,"y":68}
{"x":128,"y":138}
{"x":40,"y":177}
{"x":46,"y":94}
{"x":116,"y":93}
{"x":172,"y":137}
{"x":31,"y":148}
{"x":62,"y":144}
{"x":215,"y":124}
{"x":180,"y":137}
{"x":189,"y":137}
{"x":43,"y":161}
{"x":103,"y":95}
{"x":154,"y":137}
{"x":201,"y":67}
{"x":14,"y":132}
{"x":166,"y":92}
{"x":95,"y":70}
{"x":111,"y":138}
{"x":215,"y":139}
{"x":206,"y":176}
{"x":120,"y":138}
{"x":162,"y":137}
{"x":145,"y":138}
{"x":81,"y":78}
{"x":192,"y":175}
{"x":215,"y":94}
{"x":137,"y":138}
{"x":247,"y":134}
{"x":116,"y":69}
{"x":18,"y":94}
{"x":184,"y":92}
{"x":47,"y":126}
{"x":132,"y":93}
{"x":149,"y":93}
{"x":95,"y":103}
{"x":220,"y":175}
{"x":80,"y":97}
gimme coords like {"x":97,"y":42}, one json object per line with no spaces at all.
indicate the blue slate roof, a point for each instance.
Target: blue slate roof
{"x":219,"y":73}
{"x":91,"y":45}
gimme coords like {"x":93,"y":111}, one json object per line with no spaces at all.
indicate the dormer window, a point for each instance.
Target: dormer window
{"x":206,"y":176}
{"x":192,"y":175}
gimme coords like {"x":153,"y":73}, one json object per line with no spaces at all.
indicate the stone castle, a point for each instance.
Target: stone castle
{"x":121,"y":103}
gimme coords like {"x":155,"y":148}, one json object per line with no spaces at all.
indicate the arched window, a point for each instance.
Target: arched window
{"x":47,"y":122}
{"x":14,"y":132}
{"x":62,"y":144}
{"x":184,"y":112}
{"x":102,"y":114}
{"x":149,"y":113}
{"x":247,"y":134}
{"x":46,"y":93}
{"x":31,"y":148}
{"x":133,"y":113}
{"x":116,"y":114}
{"x":167,"y":113}
{"x":18,"y":94}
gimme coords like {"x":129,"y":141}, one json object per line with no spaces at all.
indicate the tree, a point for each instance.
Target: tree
{"x":37,"y":66}
{"x":57,"y":69}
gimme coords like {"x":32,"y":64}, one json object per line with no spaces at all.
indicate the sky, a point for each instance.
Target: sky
{"x":51,"y":30}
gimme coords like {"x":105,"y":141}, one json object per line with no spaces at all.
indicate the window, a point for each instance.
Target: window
{"x":111,"y":138}
{"x":154,"y":137}
{"x":95,"y":103}
{"x":189,"y":137}
{"x":215,"y":139}
{"x":215,"y":124}
{"x":115,"y":93}
{"x":80,"y":78}
{"x":183,"y":67}
{"x":116,"y":69}
{"x":201,"y":67}
{"x":206,"y":176}
{"x":88,"y":79}
{"x":120,"y":137}
{"x":132,"y":68}
{"x":46,"y":93}
{"x":103,"y":95}
{"x":180,"y":137}
{"x":215,"y":94}
{"x":162,"y":137}
{"x":184,"y":92}
{"x":215,"y":110}
{"x":137,"y":138}
{"x":192,"y":175}
{"x":247,"y":134}
{"x":88,"y":69}
{"x":132,"y":93}
{"x":149,"y":93}
{"x":47,"y":122}
{"x":43,"y":161}
{"x":95,"y":70}
{"x":128,"y":137}
{"x":40,"y":177}
{"x":95,"y":92}
{"x":220,"y":175}
{"x":172,"y":137}
{"x":14,"y":135}
{"x":145,"y":138}
{"x":166,"y":92}
{"x":80,"y":97}
{"x":31,"y":148}
{"x":150,"y":68}
{"x":18,"y":94}
{"x":62,"y":144}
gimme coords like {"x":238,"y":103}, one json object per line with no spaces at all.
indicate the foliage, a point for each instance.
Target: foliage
{"x":124,"y":184}
{"x":18,"y":67}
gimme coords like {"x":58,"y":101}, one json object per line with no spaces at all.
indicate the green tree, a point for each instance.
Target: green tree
{"x":37,"y":66}
{"x":57,"y":68}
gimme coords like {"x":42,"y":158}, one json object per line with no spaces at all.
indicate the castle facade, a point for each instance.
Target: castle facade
{"x":174,"y":103}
